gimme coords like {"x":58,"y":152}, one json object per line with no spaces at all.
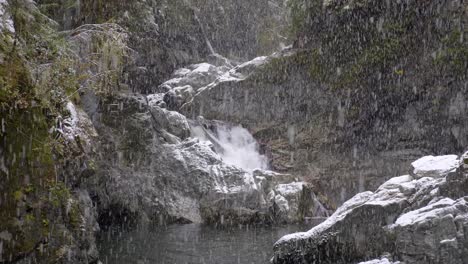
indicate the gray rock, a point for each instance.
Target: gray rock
{"x":434,"y":233}
{"x":171,"y":121}
{"x":407,"y":218}
{"x":288,"y":197}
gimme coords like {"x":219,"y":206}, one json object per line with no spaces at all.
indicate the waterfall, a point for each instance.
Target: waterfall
{"x":240,"y":148}
{"x":234,"y":144}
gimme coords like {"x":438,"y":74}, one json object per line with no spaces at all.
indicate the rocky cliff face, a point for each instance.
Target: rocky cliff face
{"x":151,"y":170}
{"x":366,"y":88}
{"x":166,"y":35}
{"x":411,"y":218}
{"x":44,"y":215}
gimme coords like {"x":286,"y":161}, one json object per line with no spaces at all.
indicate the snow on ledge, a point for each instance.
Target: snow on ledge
{"x":379,"y":261}
{"x":358,"y":200}
{"x":435,"y":166}
{"x":288,"y":189}
{"x":431,"y":211}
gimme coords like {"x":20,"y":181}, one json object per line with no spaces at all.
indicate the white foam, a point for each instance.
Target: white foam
{"x":240,"y":149}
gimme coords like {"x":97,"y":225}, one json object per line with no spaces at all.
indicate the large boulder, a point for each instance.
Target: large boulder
{"x":294,"y":201}
{"x":435,"y":233}
{"x":407,"y":218}
{"x":430,"y":166}
{"x":173,"y":122}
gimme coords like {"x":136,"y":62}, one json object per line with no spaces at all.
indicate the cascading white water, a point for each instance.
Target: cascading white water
{"x":240,"y":148}
{"x":237,"y":146}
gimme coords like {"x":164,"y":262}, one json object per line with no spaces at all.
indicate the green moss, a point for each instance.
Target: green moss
{"x":59,"y":195}
{"x":45,"y":223}
{"x":28,"y":111}
{"x":18,"y":195}
{"x":35,"y":43}
{"x":30,"y":218}
{"x":279,"y":69}
{"x":30,"y":165}
{"x":318,"y":69}
{"x":34,"y":205}
{"x":378,"y":57}
{"x":453,"y":58}
{"x":298,"y":16}
{"x":75,"y":216}
{"x":29,"y":189}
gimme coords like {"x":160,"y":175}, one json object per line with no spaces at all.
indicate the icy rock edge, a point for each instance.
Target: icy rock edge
{"x":409,"y":219}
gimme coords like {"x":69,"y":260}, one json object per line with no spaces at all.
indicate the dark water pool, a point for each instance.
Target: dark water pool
{"x":192,"y":244}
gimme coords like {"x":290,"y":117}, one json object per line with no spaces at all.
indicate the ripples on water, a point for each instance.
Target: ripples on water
{"x":192,"y":244}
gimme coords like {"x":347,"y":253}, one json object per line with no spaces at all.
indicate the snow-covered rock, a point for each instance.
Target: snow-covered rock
{"x":7,"y":28}
{"x":380,"y":261}
{"x":196,"y":76}
{"x":156,"y":100}
{"x":430,"y":166}
{"x":416,"y":220}
{"x":288,"y":198}
{"x":185,"y":82}
{"x":290,"y":189}
{"x":6,"y":22}
{"x":436,"y":233}
{"x":77,"y":124}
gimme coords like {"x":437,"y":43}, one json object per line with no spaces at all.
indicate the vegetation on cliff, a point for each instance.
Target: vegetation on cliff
{"x":40,"y":74}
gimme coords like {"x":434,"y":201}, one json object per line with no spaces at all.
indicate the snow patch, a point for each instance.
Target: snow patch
{"x":203,"y":68}
{"x":154,"y":99}
{"x":379,"y":261}
{"x":395,"y":182}
{"x":282,"y":203}
{"x":448,"y":241}
{"x":424,"y":214}
{"x":70,"y":124}
{"x":5,"y":19}
{"x":181,"y":72}
{"x":435,"y":166}
{"x":256,"y":62}
{"x":290,"y":188}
